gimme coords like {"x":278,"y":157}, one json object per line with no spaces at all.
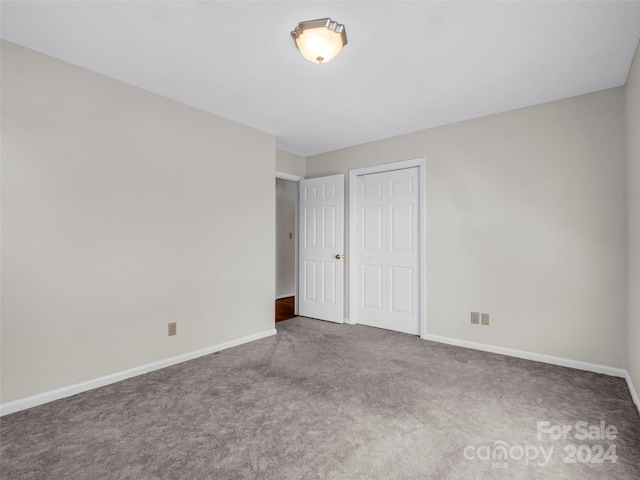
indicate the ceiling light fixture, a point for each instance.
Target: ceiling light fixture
{"x":319,"y":40}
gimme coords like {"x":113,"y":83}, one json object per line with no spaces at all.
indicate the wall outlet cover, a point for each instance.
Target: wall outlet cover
{"x":484,"y":319}
{"x":475,"y":318}
{"x":173,"y":329}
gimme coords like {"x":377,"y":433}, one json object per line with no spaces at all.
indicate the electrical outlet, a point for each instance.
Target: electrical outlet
{"x":484,"y":319}
{"x":475,"y":318}
{"x":173,"y":329}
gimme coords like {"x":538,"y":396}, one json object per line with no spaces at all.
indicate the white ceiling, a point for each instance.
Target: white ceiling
{"x":409,"y":65}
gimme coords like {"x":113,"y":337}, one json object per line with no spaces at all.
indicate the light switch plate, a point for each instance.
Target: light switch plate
{"x":475,"y":318}
{"x":484,"y":319}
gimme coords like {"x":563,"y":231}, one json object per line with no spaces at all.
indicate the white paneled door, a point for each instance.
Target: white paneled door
{"x":387,"y":250}
{"x":321,"y":250}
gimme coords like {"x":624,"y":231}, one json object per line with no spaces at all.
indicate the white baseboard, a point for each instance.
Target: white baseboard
{"x":634,"y":393}
{"x":286,"y":295}
{"x":539,"y":357}
{"x":50,"y":396}
{"x":536,"y":357}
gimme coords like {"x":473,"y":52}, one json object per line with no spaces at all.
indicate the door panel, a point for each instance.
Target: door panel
{"x":402,"y":290}
{"x":372,"y":218}
{"x":372,"y":287}
{"x":309,"y":222}
{"x":402,"y":186}
{"x":321,"y":278}
{"x":310,"y":281}
{"x":387,"y":254}
{"x":401,"y":227}
{"x":329,"y":277}
{"x":329,"y":220}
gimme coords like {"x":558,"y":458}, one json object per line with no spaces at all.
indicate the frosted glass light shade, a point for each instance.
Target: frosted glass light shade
{"x":319,"y":40}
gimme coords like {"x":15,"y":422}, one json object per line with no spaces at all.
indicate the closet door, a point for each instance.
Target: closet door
{"x":387,"y":240}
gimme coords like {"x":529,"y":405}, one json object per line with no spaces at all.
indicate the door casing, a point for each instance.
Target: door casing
{"x":293,"y":178}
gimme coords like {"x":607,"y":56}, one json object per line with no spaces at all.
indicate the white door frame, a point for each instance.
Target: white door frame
{"x":353,"y":174}
{"x":293,"y":178}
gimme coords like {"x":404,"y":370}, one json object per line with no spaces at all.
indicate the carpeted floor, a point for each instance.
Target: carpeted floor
{"x":321,"y":400}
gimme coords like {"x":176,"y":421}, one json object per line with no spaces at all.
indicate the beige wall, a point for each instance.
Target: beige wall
{"x":290,"y":163}
{"x":286,"y":193}
{"x":633,"y":179}
{"x":116,"y":219}
{"x":123,"y":211}
{"x":526,"y":220}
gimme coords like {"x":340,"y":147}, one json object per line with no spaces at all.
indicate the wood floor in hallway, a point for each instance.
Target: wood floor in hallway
{"x":285,"y":308}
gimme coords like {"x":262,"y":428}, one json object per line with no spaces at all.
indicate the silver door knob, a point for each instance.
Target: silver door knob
{"x":338,"y":256}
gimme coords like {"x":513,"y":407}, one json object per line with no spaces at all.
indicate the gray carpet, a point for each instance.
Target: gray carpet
{"x":321,"y":400}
